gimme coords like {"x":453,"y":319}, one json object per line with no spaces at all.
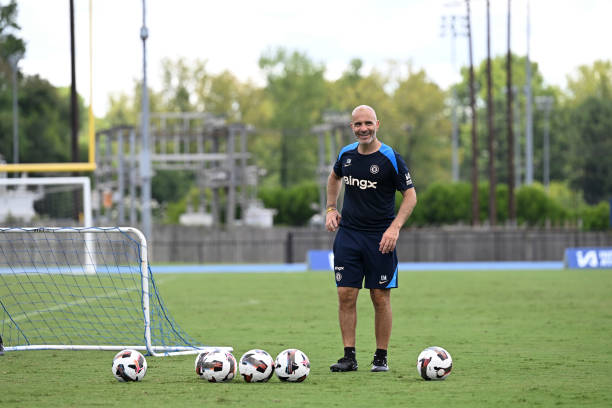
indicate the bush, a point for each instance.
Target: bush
{"x":535,"y":207}
{"x":596,"y":218}
{"x":295,"y":205}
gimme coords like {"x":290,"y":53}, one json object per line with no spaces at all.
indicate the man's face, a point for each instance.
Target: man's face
{"x":365,"y":125}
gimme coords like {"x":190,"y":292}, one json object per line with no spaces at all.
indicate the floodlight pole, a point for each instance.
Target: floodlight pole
{"x":145,"y":159}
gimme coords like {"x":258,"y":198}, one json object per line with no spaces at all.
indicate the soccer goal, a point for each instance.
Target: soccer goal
{"x":84,"y":289}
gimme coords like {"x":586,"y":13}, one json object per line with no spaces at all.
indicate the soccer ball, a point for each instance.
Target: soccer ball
{"x":256,"y":366}
{"x":434,"y":363}
{"x":292,"y":365}
{"x":129,"y":365}
{"x":216,"y":366}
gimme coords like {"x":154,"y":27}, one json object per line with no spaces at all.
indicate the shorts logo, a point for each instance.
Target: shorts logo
{"x":374,"y":169}
{"x":338,"y":276}
{"x":383,"y":279}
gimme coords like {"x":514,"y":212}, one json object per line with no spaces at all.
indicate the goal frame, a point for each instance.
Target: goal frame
{"x":157,"y":351}
{"x":84,"y":182}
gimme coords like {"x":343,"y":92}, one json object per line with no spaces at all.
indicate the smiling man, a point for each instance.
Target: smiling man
{"x":368,"y":229}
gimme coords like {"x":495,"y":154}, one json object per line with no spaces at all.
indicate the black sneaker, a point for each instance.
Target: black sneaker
{"x":344,"y":364}
{"x":379,"y":364}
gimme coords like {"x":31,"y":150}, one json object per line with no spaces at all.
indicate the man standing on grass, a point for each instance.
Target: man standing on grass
{"x":368,"y":230}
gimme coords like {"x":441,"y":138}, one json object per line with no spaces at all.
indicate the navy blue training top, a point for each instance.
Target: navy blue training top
{"x":370,"y":182}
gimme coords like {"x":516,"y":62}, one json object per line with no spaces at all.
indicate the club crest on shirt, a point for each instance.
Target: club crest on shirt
{"x":347,"y":163}
{"x":374,"y":169}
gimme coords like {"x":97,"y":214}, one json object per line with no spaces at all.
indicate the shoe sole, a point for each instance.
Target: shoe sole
{"x":339,"y":370}
{"x":378,"y":369}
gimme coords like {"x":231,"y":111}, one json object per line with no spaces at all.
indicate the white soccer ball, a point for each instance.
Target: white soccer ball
{"x":292,"y":365}
{"x":129,"y":365}
{"x":256,"y":366}
{"x":434,"y":363}
{"x":216,"y":366}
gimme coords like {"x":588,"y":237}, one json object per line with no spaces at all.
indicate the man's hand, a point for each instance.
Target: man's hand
{"x":389,"y":240}
{"x":332,"y":220}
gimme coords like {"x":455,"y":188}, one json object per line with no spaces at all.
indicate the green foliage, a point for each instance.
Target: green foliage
{"x":168,"y":185}
{"x":596,"y":218}
{"x":174,"y":209}
{"x":295,"y":205}
{"x":535,"y":207}
{"x":591,"y":81}
{"x":10,"y":44}
{"x":44,"y":123}
{"x":591,"y":145}
{"x":297,"y":89}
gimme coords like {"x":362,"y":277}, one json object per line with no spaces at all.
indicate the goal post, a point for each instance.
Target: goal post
{"x":52,"y":296}
{"x":83,"y":182}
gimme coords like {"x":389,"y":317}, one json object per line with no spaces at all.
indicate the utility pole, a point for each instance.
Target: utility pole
{"x":145,"y":159}
{"x":74,"y":111}
{"x":475,"y":205}
{"x":510,"y":126}
{"x":528,"y":113}
{"x":544,"y":103}
{"x":13,"y":60}
{"x":518,"y":168}
{"x":491,"y":128}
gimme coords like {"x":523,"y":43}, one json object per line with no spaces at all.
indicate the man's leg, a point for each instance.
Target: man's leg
{"x":381,"y":299}
{"x":347,"y":316}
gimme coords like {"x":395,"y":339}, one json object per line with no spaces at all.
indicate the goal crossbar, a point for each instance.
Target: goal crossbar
{"x":49,"y":290}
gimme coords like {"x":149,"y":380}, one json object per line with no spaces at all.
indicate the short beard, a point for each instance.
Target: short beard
{"x":372,"y":137}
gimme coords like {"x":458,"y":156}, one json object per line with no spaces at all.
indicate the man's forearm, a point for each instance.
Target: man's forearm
{"x":333,"y":190}
{"x":406,"y":207}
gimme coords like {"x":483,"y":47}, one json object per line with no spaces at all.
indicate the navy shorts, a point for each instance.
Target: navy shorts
{"x":356,"y":256}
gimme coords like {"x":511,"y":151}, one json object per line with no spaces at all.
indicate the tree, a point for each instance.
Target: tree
{"x":10,"y":44}
{"x":591,"y":81}
{"x":423,"y":127}
{"x":296,"y":88}
{"x":590,"y":146}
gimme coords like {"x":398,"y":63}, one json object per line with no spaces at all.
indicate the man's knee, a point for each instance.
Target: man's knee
{"x":381,"y":298}
{"x":347,"y":297}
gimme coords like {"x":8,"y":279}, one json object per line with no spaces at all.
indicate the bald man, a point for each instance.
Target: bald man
{"x":367,"y":231}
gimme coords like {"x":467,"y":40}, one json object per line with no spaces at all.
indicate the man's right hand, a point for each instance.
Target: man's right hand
{"x":332,"y":220}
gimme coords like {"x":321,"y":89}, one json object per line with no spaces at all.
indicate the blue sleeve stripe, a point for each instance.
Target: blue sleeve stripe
{"x":347,"y":148}
{"x":390,"y":154}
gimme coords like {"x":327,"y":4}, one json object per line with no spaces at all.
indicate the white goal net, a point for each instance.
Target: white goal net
{"x":83,"y":288}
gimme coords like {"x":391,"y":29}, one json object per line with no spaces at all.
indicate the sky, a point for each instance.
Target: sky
{"x":233,"y":34}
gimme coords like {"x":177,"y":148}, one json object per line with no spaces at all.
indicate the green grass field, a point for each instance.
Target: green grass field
{"x":517,"y":338}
